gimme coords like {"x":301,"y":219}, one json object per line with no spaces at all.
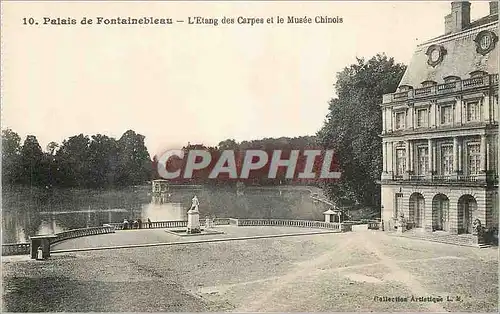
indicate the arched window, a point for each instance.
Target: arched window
{"x":478,"y":73}
{"x":404,"y":88}
{"x":428,"y":83}
{"x":451,"y":78}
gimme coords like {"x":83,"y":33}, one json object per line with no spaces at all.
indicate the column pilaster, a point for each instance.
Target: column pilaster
{"x":455,"y":156}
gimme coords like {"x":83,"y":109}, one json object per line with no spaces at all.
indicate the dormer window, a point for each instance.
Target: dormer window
{"x":478,"y":73}
{"x":428,"y":83}
{"x":451,"y":78}
{"x":404,"y":88}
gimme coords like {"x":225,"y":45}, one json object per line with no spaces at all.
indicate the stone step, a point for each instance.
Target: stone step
{"x":443,"y":238}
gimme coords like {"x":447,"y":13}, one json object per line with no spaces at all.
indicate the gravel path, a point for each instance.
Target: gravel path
{"x":316,"y":273}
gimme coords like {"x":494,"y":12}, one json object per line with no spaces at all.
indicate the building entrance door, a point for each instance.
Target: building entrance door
{"x":440,"y":213}
{"x":417,"y":205}
{"x":466,"y":213}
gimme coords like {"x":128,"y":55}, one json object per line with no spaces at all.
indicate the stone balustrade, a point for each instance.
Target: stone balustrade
{"x":168,"y":224}
{"x":222,"y":221}
{"x":440,"y":89}
{"x":16,"y":249}
{"x":24,"y":248}
{"x":289,"y":223}
{"x":449,"y":178}
{"x":83,"y":232}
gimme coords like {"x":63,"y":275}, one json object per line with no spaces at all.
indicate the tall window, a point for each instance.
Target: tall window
{"x":421,"y":118}
{"x":399,"y":205}
{"x":400,"y":120}
{"x":423,"y":160}
{"x":446,"y":115}
{"x":446,"y":159}
{"x":400,"y":161}
{"x":473,"y":158}
{"x":473,"y":111}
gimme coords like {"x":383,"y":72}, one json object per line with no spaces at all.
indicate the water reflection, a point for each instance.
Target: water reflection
{"x":49,"y":227}
{"x":157,"y":211}
{"x":25,"y":214}
{"x":19,"y":227}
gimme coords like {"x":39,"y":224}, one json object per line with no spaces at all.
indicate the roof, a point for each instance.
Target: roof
{"x":460,"y":59}
{"x":330,"y":212}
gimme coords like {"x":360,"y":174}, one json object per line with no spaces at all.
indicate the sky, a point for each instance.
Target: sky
{"x":194,"y":83}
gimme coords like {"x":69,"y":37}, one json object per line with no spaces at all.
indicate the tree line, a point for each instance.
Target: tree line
{"x":98,"y":161}
{"x":256,"y":177}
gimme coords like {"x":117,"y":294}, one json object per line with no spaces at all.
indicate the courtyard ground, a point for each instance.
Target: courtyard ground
{"x":354,"y":271}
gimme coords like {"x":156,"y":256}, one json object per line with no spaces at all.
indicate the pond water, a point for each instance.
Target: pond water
{"x":27,"y":212}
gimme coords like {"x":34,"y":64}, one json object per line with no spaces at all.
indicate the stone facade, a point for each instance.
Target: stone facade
{"x":440,"y":131}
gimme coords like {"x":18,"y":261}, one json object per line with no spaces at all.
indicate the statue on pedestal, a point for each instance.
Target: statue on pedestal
{"x":401,"y":222}
{"x":195,"y":203}
{"x":193,"y":223}
{"x":477,"y":228}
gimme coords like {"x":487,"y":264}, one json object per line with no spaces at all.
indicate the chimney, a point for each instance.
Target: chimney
{"x":493,"y":7}
{"x":459,"y":18}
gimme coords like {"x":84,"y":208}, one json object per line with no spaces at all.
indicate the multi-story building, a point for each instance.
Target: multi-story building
{"x":440,"y":130}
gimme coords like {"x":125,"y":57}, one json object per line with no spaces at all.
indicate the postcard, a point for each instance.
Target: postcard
{"x":250,"y":156}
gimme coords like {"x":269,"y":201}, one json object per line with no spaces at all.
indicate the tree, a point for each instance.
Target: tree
{"x":134,"y":163}
{"x":228,"y":144}
{"x":50,"y":163}
{"x":11,"y":147}
{"x":31,"y":159}
{"x":73,"y":162}
{"x":353,"y":126}
{"x":51,"y":148}
{"x":103,"y":161}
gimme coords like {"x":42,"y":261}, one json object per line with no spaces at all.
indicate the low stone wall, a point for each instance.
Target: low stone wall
{"x":152,"y":225}
{"x":24,"y":248}
{"x":363,"y":227}
{"x":16,"y":249}
{"x":372,"y":224}
{"x":233,"y":221}
{"x":289,"y":223}
{"x":83,"y":232}
{"x":222,"y":221}
{"x":167,"y":224}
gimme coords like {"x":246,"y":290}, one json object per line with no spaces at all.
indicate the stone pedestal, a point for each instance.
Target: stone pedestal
{"x":193,"y":224}
{"x":401,"y":226}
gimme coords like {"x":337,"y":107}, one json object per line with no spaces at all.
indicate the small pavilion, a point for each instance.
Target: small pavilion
{"x":330,"y":215}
